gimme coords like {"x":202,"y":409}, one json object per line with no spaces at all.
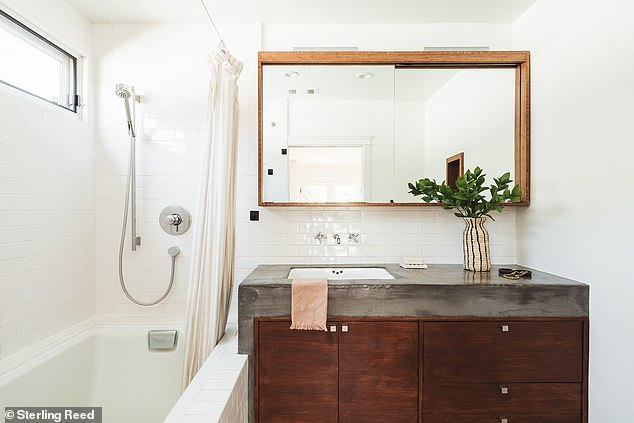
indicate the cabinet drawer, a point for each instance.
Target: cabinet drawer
{"x":502,"y":399}
{"x":510,"y":351}
{"x":466,"y":418}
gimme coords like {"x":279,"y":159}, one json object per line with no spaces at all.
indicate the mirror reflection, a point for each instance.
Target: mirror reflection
{"x":344,"y":133}
{"x":440,"y":113}
{"x":309,"y":183}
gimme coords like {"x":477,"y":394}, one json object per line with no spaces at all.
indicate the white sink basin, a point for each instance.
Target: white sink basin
{"x":338,"y":273}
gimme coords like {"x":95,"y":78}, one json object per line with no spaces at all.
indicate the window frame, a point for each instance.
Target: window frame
{"x":26,"y":33}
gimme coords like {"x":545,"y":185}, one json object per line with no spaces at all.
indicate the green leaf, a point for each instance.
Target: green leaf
{"x":469,"y":196}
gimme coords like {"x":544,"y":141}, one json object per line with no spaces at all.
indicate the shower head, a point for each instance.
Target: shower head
{"x":125,"y":92}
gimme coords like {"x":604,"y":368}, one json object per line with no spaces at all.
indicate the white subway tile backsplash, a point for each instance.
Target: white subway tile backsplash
{"x":14,"y":314}
{"x":397,"y":239}
{"x":385,"y":227}
{"x":409,"y":228}
{"x":28,"y":111}
{"x":7,"y":300}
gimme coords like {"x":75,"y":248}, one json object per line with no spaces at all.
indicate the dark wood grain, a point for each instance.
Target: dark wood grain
{"x":454,"y":169}
{"x":586,"y":357}
{"x":546,"y":351}
{"x":487,"y":398}
{"x":492,"y":418}
{"x":378,"y":372}
{"x":297,"y":375}
{"x":373,"y":373}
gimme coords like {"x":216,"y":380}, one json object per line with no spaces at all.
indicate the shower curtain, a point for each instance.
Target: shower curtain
{"x":211,"y":276}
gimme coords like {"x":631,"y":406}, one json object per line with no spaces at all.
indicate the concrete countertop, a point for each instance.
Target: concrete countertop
{"x":435,"y":274}
{"x":440,"y":290}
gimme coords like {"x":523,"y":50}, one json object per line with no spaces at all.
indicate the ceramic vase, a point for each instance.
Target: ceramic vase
{"x":475,"y":245}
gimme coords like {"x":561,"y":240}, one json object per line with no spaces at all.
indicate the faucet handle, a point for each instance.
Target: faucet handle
{"x":320,"y":237}
{"x":353,"y":236}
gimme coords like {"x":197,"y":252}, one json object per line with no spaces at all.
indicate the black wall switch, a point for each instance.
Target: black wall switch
{"x":270,"y":171}
{"x":284,"y":151}
{"x":254,"y":215}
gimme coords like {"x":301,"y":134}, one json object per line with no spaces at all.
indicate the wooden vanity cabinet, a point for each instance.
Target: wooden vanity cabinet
{"x":503,"y":371}
{"x":459,"y":370}
{"x":360,"y":372}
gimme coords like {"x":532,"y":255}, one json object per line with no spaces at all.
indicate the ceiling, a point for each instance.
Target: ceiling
{"x":304,"y":11}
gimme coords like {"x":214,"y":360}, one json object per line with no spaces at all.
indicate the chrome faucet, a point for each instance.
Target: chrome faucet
{"x":353,"y":236}
{"x":320,"y":237}
{"x":337,"y":238}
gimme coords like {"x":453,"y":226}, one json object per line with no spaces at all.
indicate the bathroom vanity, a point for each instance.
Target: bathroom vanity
{"x":436,"y":345}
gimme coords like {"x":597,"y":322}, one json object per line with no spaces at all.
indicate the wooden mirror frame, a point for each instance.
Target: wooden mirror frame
{"x":519,"y":60}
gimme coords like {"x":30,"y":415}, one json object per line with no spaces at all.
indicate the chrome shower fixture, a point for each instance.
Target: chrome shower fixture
{"x":123,"y":91}
{"x":126,"y":92}
{"x":175,"y":220}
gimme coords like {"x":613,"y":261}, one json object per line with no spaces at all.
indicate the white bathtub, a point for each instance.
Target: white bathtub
{"x":109,"y":367}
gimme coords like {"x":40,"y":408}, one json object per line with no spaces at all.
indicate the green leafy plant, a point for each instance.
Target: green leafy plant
{"x":468,"y":196}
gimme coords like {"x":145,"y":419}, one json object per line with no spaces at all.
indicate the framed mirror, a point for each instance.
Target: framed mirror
{"x":353,"y":128}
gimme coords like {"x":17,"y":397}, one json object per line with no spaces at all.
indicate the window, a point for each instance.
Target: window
{"x":33,"y":64}
{"x":325,"y":174}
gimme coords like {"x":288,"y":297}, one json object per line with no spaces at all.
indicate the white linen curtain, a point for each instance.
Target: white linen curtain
{"x":211,"y":276}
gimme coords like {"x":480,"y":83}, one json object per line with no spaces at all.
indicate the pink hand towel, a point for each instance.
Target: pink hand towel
{"x":309,"y":304}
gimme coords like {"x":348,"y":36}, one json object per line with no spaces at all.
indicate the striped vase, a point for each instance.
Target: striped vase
{"x":475,"y":245}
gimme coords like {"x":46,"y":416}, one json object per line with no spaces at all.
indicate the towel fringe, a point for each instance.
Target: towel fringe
{"x":308,"y":327}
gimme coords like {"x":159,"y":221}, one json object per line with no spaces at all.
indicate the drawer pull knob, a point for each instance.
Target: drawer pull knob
{"x":333,"y":328}
{"x":344,"y":328}
{"x":505,"y":328}
{"x":504,"y":390}
{"x":504,"y":420}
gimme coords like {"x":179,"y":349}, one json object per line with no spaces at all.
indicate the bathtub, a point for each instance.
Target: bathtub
{"x":106,"y":366}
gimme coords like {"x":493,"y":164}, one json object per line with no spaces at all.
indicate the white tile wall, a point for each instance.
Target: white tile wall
{"x":387,"y":235}
{"x":166,"y":64}
{"x":47,"y":186}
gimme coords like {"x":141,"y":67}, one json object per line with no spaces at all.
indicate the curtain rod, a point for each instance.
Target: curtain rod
{"x":213,"y":24}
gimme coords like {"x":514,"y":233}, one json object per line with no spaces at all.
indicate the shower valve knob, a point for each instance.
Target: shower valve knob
{"x":175,"y":220}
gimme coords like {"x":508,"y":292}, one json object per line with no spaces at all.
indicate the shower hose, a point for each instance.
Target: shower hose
{"x":173,"y":251}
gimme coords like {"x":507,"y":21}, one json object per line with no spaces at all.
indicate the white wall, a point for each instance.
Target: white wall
{"x":582,"y":55}
{"x":472,"y":113}
{"x":167,"y":65}
{"x":47,"y":278}
{"x":376,"y":37}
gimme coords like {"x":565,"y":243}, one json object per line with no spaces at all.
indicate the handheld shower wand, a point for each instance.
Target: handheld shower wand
{"x":124,"y":91}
